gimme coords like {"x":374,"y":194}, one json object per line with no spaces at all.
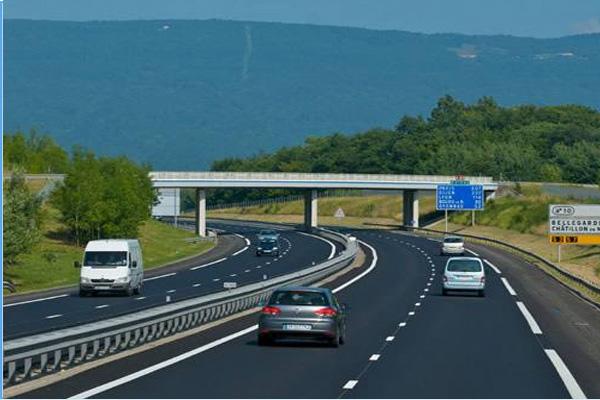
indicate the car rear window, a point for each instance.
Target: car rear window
{"x":453,"y":240}
{"x":298,"y":298}
{"x":464,"y":266}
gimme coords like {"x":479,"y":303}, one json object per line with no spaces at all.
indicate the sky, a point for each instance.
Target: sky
{"x":532,"y":18}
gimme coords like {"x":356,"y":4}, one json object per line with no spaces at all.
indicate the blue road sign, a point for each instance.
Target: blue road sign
{"x":459,"y":197}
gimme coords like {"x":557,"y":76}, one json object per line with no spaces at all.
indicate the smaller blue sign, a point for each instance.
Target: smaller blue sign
{"x":459,"y":197}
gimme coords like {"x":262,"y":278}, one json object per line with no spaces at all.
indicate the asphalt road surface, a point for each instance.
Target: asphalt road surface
{"x":404,"y":339}
{"x":241,"y":265}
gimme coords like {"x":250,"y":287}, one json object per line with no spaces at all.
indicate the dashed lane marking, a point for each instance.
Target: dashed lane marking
{"x":350,"y":385}
{"x":535,"y":328}
{"x":208,"y":264}
{"x":35,"y":300}
{"x":508,"y":287}
{"x":160,"y":276}
{"x":566,"y":376}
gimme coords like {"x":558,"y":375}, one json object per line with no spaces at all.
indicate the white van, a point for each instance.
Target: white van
{"x":113,"y":265}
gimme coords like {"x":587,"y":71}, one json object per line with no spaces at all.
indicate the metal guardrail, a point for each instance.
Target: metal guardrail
{"x":580,"y":280}
{"x":8,"y":285}
{"x":38,"y":355}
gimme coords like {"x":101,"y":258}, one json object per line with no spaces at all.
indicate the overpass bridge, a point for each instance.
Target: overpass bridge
{"x":410,"y":185}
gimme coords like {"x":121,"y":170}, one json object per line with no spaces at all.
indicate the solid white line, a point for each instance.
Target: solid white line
{"x":566,"y":376}
{"x":53,"y":316}
{"x":210,"y":263}
{"x":247,"y":241}
{"x":101,"y":306}
{"x":508,"y":287}
{"x":240,"y":251}
{"x":532,"y":324}
{"x":160,"y":276}
{"x":492,"y":266}
{"x":164,"y":364}
{"x":218,"y":342}
{"x":356,"y":278}
{"x":472,"y":252}
{"x":374,"y":357}
{"x":34,"y":301}
{"x":323,"y":239}
{"x":350,"y":385}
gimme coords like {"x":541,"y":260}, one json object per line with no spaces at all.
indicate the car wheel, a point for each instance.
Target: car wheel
{"x":138,"y":289}
{"x":264,"y":340}
{"x":481,"y":293}
{"x":129,"y":291}
{"x":83,"y":293}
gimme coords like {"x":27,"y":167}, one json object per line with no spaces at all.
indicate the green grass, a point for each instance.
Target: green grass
{"x":50,"y":264}
{"x":381,"y":206}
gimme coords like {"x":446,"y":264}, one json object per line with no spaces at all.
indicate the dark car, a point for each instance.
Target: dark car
{"x":268,"y":246}
{"x":302,"y":313}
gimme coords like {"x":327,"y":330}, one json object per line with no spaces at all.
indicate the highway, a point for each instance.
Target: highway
{"x":404,"y":339}
{"x":193,"y":278}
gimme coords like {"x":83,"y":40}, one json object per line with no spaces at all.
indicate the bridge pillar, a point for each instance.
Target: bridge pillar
{"x":410,"y":212}
{"x":310,"y":209}
{"x":200,"y":212}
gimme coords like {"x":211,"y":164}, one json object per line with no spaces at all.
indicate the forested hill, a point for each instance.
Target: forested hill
{"x":181,"y":94}
{"x":525,"y":143}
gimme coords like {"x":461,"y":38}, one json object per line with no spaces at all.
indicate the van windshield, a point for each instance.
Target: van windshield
{"x":105,"y":259}
{"x":464,"y":266}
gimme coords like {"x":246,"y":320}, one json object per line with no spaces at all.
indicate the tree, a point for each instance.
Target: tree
{"x":21,"y":218}
{"x":104,"y":198}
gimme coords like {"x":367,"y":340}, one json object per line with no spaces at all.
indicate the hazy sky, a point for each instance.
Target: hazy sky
{"x":537,"y":18}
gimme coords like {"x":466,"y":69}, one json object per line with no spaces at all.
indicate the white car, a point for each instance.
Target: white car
{"x":464,"y":273}
{"x":114,"y":265}
{"x":453,"y":245}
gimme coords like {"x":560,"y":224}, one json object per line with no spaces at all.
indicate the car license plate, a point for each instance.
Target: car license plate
{"x":297,"y":327}
{"x":101,"y":287}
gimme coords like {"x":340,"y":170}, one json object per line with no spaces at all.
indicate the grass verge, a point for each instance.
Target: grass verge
{"x":50,"y":264}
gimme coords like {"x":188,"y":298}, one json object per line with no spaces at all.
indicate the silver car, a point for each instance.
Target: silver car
{"x":464,"y":273}
{"x":302,"y":313}
{"x":452,"y":245}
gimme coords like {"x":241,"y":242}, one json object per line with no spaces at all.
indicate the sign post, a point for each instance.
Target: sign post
{"x":459,"y":195}
{"x":577,"y":224}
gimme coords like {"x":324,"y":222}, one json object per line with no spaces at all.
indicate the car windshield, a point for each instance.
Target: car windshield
{"x":105,"y":259}
{"x":267,"y":233}
{"x":299,"y":298}
{"x":268,"y":244}
{"x":464,"y":266}
{"x":453,"y":240}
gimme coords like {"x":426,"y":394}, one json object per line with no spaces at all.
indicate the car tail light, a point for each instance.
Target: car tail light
{"x":271,"y":310}
{"x":326,"y":312}
{"x":482,"y":280}
{"x":445,"y":278}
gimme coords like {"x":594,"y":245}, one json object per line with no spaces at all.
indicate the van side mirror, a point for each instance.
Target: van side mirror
{"x":134,"y":264}
{"x":77,"y":264}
